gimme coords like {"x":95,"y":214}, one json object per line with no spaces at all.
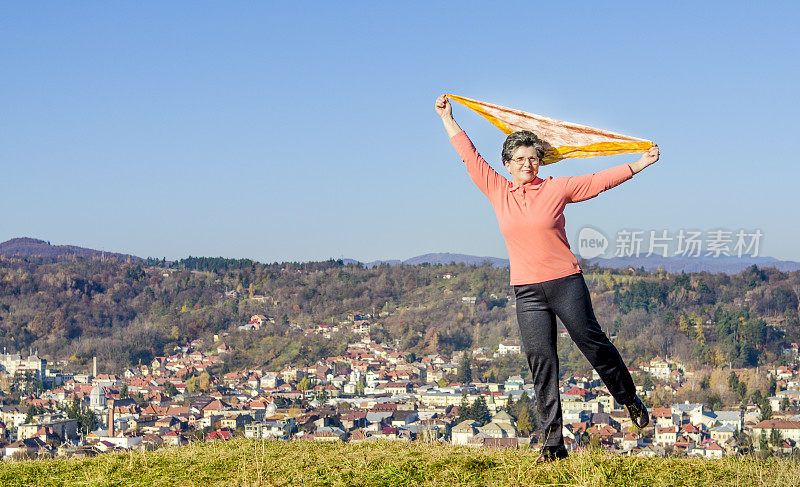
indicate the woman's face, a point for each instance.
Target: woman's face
{"x":524,"y":164}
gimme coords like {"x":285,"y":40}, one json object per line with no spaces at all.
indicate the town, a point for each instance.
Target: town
{"x":374,"y":391}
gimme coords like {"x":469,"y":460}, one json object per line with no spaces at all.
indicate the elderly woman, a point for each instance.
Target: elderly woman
{"x":546,"y":277}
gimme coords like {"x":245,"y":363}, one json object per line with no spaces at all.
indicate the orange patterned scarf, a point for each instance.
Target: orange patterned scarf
{"x":564,"y":138}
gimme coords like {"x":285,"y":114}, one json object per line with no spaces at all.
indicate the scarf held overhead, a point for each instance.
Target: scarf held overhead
{"x":565,"y":139}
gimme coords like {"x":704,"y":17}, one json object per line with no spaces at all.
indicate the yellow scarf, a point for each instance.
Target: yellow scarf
{"x":564,"y":138}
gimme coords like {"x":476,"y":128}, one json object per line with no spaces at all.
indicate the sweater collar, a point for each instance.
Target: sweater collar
{"x":535,"y":183}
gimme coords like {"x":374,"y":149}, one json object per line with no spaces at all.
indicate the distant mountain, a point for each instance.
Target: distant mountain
{"x":441,"y":258}
{"x":31,"y":247}
{"x":727,"y":265}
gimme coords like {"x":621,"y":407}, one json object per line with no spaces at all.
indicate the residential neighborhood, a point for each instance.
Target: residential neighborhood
{"x":373,"y":391}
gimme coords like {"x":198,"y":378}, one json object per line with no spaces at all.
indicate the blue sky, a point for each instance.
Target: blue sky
{"x":302,"y":132}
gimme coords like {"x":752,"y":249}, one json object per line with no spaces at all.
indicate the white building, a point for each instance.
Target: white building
{"x":13,"y":364}
{"x":509,"y":346}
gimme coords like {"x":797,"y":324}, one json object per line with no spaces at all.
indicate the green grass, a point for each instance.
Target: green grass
{"x":385,"y":463}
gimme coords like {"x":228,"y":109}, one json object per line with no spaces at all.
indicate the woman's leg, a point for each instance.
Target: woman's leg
{"x":537,"y":327}
{"x":570,"y":300}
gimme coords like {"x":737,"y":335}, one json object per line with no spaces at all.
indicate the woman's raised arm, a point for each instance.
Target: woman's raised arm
{"x":485,"y":178}
{"x":445,"y":110}
{"x":581,"y":188}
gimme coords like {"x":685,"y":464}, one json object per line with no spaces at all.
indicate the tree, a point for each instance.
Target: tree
{"x":647,"y":383}
{"x":775,"y":438}
{"x":766,"y":410}
{"x":123,"y":392}
{"x":170,"y":389}
{"x":465,"y":368}
{"x":763,"y":445}
{"x":785,"y":403}
{"x":32,"y":411}
{"x":524,"y":423}
{"x":191,"y":384}
{"x":744,"y":442}
{"x":464,"y":410}
{"x":510,"y":407}
{"x":733,"y":381}
{"x":88,"y":421}
{"x":304,"y":384}
{"x":204,"y":382}
{"x":480,"y":412}
{"x":742,"y":390}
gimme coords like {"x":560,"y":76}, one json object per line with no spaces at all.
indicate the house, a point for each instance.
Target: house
{"x":657,"y":368}
{"x":219,"y":435}
{"x":684,"y":444}
{"x":171,"y":423}
{"x":514,"y":383}
{"x":688,"y":413}
{"x":403,"y":418}
{"x":630,"y":441}
{"x":173,"y":438}
{"x":329,"y":433}
{"x":791,"y":350}
{"x":259,"y":321}
{"x":722,"y":434}
{"x":695,"y":433}
{"x":236,"y":422}
{"x":463,"y":431}
{"x":495,"y":429}
{"x":713,"y":449}
{"x":662,"y":417}
{"x":509,"y":347}
{"x":666,"y":436}
{"x":29,"y":447}
{"x":215,"y":407}
{"x":395,"y":387}
{"x":731,"y":418}
{"x":60,"y":427}
{"x":789,"y":430}
{"x":278,"y":428}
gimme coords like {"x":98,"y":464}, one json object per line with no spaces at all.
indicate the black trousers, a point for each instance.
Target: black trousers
{"x":568,"y":299}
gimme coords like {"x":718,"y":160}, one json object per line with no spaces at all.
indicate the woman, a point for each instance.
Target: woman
{"x":547,"y":279}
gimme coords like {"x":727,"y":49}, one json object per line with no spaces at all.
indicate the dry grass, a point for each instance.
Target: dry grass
{"x":385,"y":463}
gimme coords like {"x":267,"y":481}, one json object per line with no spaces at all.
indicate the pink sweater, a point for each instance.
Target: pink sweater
{"x":531,"y":216}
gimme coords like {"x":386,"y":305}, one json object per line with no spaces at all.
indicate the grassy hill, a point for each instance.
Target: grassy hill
{"x":253,"y":462}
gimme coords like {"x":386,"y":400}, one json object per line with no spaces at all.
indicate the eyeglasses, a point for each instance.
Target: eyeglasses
{"x":522,"y":160}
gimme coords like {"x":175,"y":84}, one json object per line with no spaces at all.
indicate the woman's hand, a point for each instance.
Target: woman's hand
{"x":647,"y":158}
{"x":443,"y":107}
{"x":651,"y":155}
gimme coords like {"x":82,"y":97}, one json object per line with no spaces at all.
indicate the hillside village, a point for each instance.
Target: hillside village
{"x":373,"y":391}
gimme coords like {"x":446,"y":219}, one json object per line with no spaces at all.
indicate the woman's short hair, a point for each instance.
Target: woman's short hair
{"x":523,"y":138}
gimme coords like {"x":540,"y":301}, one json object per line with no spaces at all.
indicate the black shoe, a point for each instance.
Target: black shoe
{"x":638,"y":412}
{"x":552,"y":453}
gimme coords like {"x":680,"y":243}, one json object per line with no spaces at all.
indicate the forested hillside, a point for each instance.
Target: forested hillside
{"x":75,"y":308}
